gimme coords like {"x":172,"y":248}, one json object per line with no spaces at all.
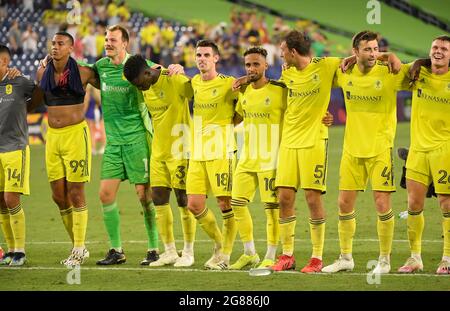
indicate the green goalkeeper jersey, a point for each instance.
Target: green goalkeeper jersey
{"x":124,"y":111}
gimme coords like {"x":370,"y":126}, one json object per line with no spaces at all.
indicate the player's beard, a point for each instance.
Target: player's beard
{"x":253,"y":77}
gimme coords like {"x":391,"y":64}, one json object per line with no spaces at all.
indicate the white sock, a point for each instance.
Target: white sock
{"x":118,"y":249}
{"x":446,"y":258}
{"x":188,"y":247}
{"x":386,"y":258}
{"x":416,"y":256}
{"x":347,"y":256}
{"x":76,"y":249}
{"x":170,"y":247}
{"x":318,"y":257}
{"x":271,"y":252}
{"x":226,"y":258}
{"x":19,"y":250}
{"x":249,"y":248}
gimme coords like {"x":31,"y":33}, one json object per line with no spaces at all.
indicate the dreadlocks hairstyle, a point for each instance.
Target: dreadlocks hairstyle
{"x":134,"y":66}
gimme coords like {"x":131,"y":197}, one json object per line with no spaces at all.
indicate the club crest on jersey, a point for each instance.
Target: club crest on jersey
{"x":448,"y":87}
{"x":8,"y":89}
{"x":244,"y":102}
{"x":316,"y":78}
{"x":214,"y":92}
{"x":267,"y":101}
{"x":350,"y":83}
{"x":378,"y":84}
{"x":161,"y":94}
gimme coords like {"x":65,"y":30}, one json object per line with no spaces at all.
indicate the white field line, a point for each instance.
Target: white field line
{"x":207,"y":241}
{"x":150,"y":270}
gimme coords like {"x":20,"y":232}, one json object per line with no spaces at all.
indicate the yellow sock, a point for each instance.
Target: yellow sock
{"x":188,"y":224}
{"x":415,"y":223}
{"x":446,"y":231}
{"x":287,"y":234}
{"x":272,"y":211}
{"x":385,"y":229}
{"x":208,"y":222}
{"x":67,"y":218}
{"x":17,"y":221}
{"x":346,"y":229}
{"x":80,"y":219}
{"x":317,"y":230}
{"x":164,"y":222}
{"x":229,"y":231}
{"x":6,"y":228}
{"x":243,"y":219}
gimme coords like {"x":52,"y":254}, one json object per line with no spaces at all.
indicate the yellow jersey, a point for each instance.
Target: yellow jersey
{"x":167,"y":103}
{"x":307,"y":102}
{"x":262,"y":111}
{"x":430,"y":115}
{"x":371,"y":105}
{"x":212,"y":129}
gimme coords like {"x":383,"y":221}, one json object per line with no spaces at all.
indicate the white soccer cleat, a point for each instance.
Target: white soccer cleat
{"x":186,"y":260}
{"x":217,"y":265}
{"x":411,"y":265}
{"x":342,"y":264}
{"x":383,"y":266}
{"x":76,"y":258}
{"x":444,"y":267}
{"x":166,"y":258}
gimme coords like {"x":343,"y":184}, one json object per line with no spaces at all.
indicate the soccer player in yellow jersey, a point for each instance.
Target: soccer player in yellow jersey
{"x":262,"y":107}
{"x":212,"y":158}
{"x":166,"y":98}
{"x":302,"y":158}
{"x":429,"y":154}
{"x":370,"y":98}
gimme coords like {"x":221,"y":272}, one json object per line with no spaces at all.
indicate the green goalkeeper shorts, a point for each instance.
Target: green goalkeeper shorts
{"x":129,"y":161}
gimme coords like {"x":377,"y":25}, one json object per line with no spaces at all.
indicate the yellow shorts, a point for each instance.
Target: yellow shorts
{"x":432,"y":166}
{"x":68,"y":153}
{"x":170,"y":174}
{"x":214,"y":175}
{"x":355,"y":172}
{"x":15,"y":171}
{"x":304,"y":168}
{"x":245,"y":184}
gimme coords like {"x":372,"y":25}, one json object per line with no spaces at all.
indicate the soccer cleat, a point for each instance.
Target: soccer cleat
{"x":383,"y":266}
{"x":152,"y":256}
{"x":314,"y":265}
{"x":266,"y":263}
{"x":214,"y":260}
{"x":444,"y":267}
{"x":245,"y":260}
{"x":76,"y":257}
{"x":19,"y":259}
{"x":342,"y":264}
{"x":2,"y":253}
{"x":186,"y":260}
{"x":411,"y":265}
{"x":284,"y":262}
{"x":220,"y":265}
{"x":166,"y":258}
{"x":113,"y":257}
{"x":6,"y":260}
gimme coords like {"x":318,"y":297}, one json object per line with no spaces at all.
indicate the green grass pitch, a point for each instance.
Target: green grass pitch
{"x":48,"y":243}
